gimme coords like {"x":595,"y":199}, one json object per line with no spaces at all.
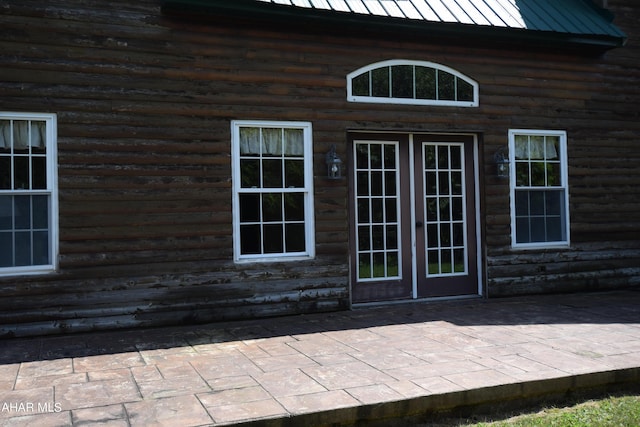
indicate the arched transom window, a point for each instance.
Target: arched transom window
{"x":411,"y":82}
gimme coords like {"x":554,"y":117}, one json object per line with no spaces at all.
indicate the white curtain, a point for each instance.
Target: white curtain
{"x":536,"y":147}
{"x":274,"y":141}
{"x":25,"y":133}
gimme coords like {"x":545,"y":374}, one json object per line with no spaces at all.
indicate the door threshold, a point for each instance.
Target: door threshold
{"x":416,"y":300}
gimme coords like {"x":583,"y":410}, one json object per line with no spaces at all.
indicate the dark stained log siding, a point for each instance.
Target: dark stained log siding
{"x":144,"y":103}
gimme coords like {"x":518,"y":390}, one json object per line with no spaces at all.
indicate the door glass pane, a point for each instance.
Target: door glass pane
{"x":377,"y":205}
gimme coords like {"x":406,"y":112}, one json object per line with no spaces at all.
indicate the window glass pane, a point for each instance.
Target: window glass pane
{"x":552,"y":147}
{"x":380,"y":82}
{"x":376,"y":183}
{"x":430,"y":157}
{"x":446,"y":86}
{"x":363,"y":210}
{"x":554,"y":229}
{"x":444,"y":209}
{"x":465,"y":90}
{"x":272,"y":207}
{"x":250,"y":173}
{"x":40,"y":248}
{"x":21,"y":172}
{"x":536,"y":147}
{"x":249,"y":141}
{"x":425,"y":83}
{"x":364,"y":266}
{"x":456,"y":183}
{"x":432,"y":208}
{"x":458,"y":234}
{"x":432,"y":182}
{"x":390,"y":183}
{"x":249,"y":207}
{"x":432,"y":236}
{"x":360,"y":85}
{"x":443,"y":182}
{"x":392,"y":237}
{"x":522,"y":203}
{"x":445,"y":261}
{"x":362,"y":156}
{"x":294,"y":207}
{"x":553,"y":175}
{"x":389,"y":156}
{"x":364,"y":239}
{"x":6,"y":249}
{"x":271,"y":142}
{"x":522,"y":174}
{"x":536,"y":200}
{"x":5,"y":172}
{"x":457,"y":208}
{"x":375,"y":154}
{"x":294,"y":142}
{"x":363,"y":183}
{"x":21,"y":136}
{"x":294,"y":173}
{"x":538,"y":174}
{"x":377,"y":233}
{"x":402,"y":81}
{"x":391,"y":210}
{"x":23,"y":248}
{"x":456,"y":157}
{"x":522,"y":147}
{"x":376,"y":210}
{"x":6,"y":212}
{"x":458,"y":261}
{"x":538,"y":229}
{"x":522,"y":230}
{"x":5,"y":136}
{"x":38,"y":136}
{"x":250,"y":241}
{"x":40,"y":212}
{"x":434,"y":262}
{"x":39,"y":172}
{"x":272,"y":173}
{"x":295,"y":237}
{"x":378,"y":265}
{"x":392,"y":264}
{"x":443,"y":157}
{"x":554,"y":202}
{"x":22,"y":212}
{"x":273,"y":239}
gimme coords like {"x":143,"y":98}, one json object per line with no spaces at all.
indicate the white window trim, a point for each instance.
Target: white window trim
{"x":308,"y":190}
{"x":564,"y":175}
{"x":411,"y":101}
{"x":51,"y":190}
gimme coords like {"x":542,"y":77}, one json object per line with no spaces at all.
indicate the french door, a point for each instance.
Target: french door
{"x":413,"y":216}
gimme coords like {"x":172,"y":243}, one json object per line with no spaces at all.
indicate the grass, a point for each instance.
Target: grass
{"x":615,"y":411}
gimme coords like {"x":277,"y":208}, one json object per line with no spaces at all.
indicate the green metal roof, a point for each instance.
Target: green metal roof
{"x":573,"y":22}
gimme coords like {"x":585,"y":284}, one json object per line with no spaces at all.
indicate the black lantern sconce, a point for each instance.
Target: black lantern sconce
{"x":334,"y":164}
{"x":502,"y":163}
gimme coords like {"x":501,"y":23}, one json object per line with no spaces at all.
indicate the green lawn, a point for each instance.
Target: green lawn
{"x":620,"y":411}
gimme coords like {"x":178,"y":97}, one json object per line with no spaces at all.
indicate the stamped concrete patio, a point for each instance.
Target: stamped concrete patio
{"x":380,"y":364}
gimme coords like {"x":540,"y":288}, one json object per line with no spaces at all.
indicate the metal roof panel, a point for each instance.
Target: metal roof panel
{"x":575,"y":21}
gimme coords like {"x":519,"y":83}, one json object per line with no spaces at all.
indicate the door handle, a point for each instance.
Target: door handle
{"x":419,"y":224}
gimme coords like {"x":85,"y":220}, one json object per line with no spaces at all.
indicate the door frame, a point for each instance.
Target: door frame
{"x":353,"y":135}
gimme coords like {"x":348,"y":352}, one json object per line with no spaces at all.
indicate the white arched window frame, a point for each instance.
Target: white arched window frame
{"x":461,"y":91}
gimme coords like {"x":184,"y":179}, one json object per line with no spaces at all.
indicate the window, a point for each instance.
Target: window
{"x":411,"y":82}
{"x":28,"y":198}
{"x":272,"y":190}
{"x":539,"y":193}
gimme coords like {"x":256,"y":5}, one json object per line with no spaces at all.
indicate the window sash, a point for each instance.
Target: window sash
{"x":28,"y":193}
{"x":539,"y":191}
{"x":272,"y":198}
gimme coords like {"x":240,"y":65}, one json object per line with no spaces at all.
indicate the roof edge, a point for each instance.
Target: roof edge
{"x":277,"y":12}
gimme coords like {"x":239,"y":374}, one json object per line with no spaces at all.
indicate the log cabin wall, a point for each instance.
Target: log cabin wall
{"x":144,"y":101}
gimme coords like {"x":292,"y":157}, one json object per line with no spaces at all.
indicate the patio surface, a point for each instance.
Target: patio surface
{"x":403,"y":361}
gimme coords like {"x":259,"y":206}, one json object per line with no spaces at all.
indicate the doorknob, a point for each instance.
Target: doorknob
{"x":419,"y":224}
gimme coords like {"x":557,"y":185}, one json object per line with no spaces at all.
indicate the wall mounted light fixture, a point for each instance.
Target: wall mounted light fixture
{"x":501,"y":159}
{"x":334,"y":164}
